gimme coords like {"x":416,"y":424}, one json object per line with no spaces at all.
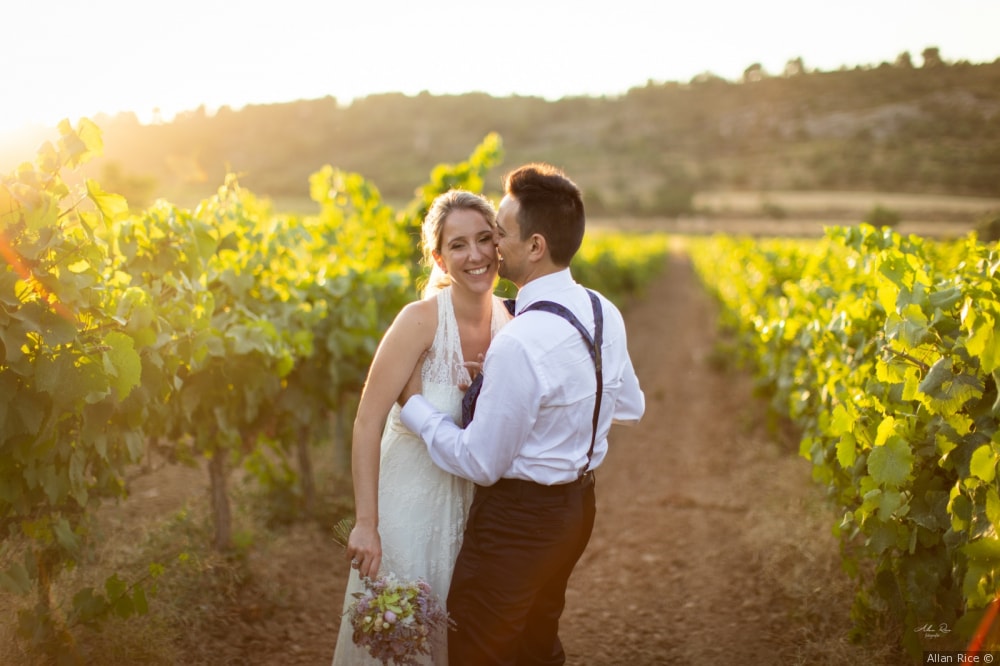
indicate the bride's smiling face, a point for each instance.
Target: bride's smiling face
{"x":468,"y":251}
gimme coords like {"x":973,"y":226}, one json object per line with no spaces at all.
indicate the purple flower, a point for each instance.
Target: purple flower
{"x":394,"y":620}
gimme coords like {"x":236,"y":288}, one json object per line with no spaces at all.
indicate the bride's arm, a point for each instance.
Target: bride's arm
{"x":409,"y":336}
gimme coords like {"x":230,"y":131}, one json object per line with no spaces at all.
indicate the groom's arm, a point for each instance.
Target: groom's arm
{"x":482,"y":452}
{"x":439,"y":431}
{"x":421,"y":417}
{"x":631,"y":402}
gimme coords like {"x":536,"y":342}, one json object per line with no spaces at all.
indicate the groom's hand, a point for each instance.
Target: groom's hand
{"x":414,"y":384}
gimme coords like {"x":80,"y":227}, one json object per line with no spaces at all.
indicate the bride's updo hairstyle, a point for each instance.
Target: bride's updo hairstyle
{"x":432,"y":229}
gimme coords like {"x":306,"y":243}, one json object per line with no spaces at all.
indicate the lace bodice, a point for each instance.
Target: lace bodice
{"x":443,"y":367}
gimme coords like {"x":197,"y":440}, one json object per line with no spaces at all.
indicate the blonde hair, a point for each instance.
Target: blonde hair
{"x":432,"y":229}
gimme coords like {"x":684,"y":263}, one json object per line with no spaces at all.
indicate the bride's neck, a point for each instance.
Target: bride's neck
{"x":470,"y":307}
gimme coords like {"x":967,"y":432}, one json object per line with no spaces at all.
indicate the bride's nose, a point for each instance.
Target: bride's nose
{"x":478,"y":252}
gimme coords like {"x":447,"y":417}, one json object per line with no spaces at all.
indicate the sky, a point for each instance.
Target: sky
{"x":68,"y":59}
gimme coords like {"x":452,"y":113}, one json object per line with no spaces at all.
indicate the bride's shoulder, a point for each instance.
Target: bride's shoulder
{"x":419,"y":317}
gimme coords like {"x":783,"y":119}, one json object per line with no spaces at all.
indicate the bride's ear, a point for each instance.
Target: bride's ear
{"x":436,"y":256}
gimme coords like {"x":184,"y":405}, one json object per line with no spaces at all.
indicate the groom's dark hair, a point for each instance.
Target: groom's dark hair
{"x":549,"y":204}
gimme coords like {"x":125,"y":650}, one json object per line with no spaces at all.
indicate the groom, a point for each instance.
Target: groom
{"x":539,"y":432}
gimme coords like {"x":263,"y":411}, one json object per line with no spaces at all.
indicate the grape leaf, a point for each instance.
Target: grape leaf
{"x":890,"y":464}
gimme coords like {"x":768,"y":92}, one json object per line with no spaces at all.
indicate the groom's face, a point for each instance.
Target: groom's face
{"x":510,"y":247}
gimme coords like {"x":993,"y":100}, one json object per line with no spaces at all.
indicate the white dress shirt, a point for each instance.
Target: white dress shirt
{"x":535,"y":412}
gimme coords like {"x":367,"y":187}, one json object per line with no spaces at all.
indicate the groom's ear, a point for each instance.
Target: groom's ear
{"x":537,"y":247}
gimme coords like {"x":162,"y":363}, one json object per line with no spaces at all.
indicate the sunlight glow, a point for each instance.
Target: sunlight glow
{"x":66,"y":59}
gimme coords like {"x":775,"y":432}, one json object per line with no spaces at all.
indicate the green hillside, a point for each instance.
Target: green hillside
{"x":933,"y":129}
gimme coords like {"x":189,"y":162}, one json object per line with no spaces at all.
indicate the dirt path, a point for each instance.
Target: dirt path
{"x":670,"y":577}
{"x":710,"y":545}
{"x":666,"y":559}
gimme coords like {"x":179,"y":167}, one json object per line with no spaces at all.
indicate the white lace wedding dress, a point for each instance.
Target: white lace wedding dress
{"x":422,"y":509}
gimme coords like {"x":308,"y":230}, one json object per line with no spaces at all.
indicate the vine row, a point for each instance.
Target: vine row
{"x":885,"y":351}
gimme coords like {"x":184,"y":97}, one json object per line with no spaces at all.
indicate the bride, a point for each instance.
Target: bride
{"x":409,"y":514}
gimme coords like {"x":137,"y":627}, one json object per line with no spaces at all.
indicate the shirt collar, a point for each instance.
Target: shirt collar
{"x":542,"y":287}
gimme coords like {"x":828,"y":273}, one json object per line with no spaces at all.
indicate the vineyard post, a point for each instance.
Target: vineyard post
{"x":221,"y":515}
{"x":303,"y":444}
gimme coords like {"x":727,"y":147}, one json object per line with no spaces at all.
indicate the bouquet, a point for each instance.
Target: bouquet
{"x":393,"y":620}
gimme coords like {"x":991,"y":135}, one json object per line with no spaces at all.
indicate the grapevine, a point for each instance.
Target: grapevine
{"x":885,"y":351}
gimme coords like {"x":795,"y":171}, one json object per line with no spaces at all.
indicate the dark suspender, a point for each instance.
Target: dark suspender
{"x":593,"y":346}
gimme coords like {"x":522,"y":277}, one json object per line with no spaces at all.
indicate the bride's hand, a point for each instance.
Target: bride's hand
{"x":364,"y":550}
{"x":474,"y":368}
